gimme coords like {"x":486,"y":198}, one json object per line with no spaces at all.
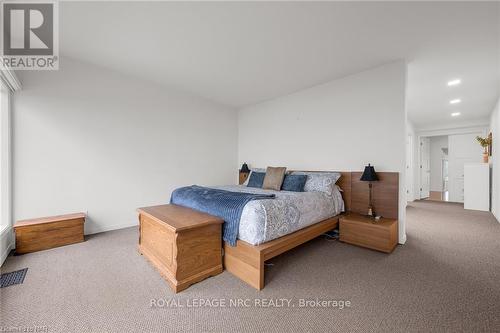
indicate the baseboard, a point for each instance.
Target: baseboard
{"x":402,"y":240}
{"x":6,"y":250}
{"x":97,"y":229}
{"x":5,"y":253}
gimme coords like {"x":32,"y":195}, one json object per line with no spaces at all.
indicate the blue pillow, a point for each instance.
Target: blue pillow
{"x":256,"y":179}
{"x":294,"y":183}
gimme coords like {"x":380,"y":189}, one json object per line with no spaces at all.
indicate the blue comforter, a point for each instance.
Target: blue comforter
{"x":224,"y":204}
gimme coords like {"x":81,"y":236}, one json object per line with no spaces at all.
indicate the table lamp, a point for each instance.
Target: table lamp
{"x":244,"y":168}
{"x":369,"y":175}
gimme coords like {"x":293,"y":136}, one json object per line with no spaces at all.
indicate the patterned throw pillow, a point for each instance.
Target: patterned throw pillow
{"x":319,"y":181}
{"x":294,"y":183}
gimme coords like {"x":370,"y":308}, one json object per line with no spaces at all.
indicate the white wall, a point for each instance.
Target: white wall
{"x":341,"y":125}
{"x":495,"y":161}
{"x":436,"y":158}
{"x":93,"y":140}
{"x":6,"y":233}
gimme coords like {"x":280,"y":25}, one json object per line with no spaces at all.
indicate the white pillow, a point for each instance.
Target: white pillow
{"x":319,"y":181}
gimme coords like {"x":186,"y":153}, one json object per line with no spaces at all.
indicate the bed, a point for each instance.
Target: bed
{"x":270,"y":227}
{"x":265,"y":233}
{"x":264,"y":220}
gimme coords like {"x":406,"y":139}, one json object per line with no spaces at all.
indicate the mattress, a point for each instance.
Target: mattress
{"x":264,"y":220}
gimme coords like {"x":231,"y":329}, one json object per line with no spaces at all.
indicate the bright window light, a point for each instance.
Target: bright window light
{"x":455,"y":114}
{"x":455,"y":101}
{"x":454,"y":82}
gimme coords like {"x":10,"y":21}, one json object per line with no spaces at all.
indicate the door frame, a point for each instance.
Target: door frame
{"x":420,"y":137}
{"x":444,"y":161}
{"x":410,"y":173}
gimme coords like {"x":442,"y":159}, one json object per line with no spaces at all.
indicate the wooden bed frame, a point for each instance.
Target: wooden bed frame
{"x":246,"y":261}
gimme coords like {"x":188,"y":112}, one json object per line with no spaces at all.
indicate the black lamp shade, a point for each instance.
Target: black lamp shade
{"x":369,"y":175}
{"x":244,"y":168}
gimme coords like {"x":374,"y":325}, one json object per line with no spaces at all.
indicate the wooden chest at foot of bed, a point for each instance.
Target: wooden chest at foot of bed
{"x":183,"y":244}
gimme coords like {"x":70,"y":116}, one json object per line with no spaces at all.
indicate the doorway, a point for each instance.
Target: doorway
{"x":434,"y":178}
{"x":442,"y":160}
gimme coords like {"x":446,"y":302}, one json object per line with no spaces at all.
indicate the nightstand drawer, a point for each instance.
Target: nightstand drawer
{"x":381,"y":237}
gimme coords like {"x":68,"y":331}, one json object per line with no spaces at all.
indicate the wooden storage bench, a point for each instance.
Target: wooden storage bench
{"x":48,"y":232}
{"x":183,"y":244}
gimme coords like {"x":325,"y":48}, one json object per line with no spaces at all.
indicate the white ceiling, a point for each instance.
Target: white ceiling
{"x":242,"y":53}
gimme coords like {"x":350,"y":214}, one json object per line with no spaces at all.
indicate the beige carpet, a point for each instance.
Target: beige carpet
{"x":446,"y":278}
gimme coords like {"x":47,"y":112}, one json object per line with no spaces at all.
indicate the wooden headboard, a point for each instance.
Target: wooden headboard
{"x":355,"y":192}
{"x":385,"y":193}
{"x":345,"y":184}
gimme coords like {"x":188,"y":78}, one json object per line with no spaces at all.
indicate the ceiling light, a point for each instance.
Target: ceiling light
{"x":455,"y":114}
{"x":454,"y":82}
{"x":455,"y":101}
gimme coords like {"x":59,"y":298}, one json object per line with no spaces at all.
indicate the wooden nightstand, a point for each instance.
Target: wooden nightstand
{"x":361,"y":230}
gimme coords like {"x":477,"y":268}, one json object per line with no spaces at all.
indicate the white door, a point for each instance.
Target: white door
{"x":409,"y":168}
{"x":425,"y":167}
